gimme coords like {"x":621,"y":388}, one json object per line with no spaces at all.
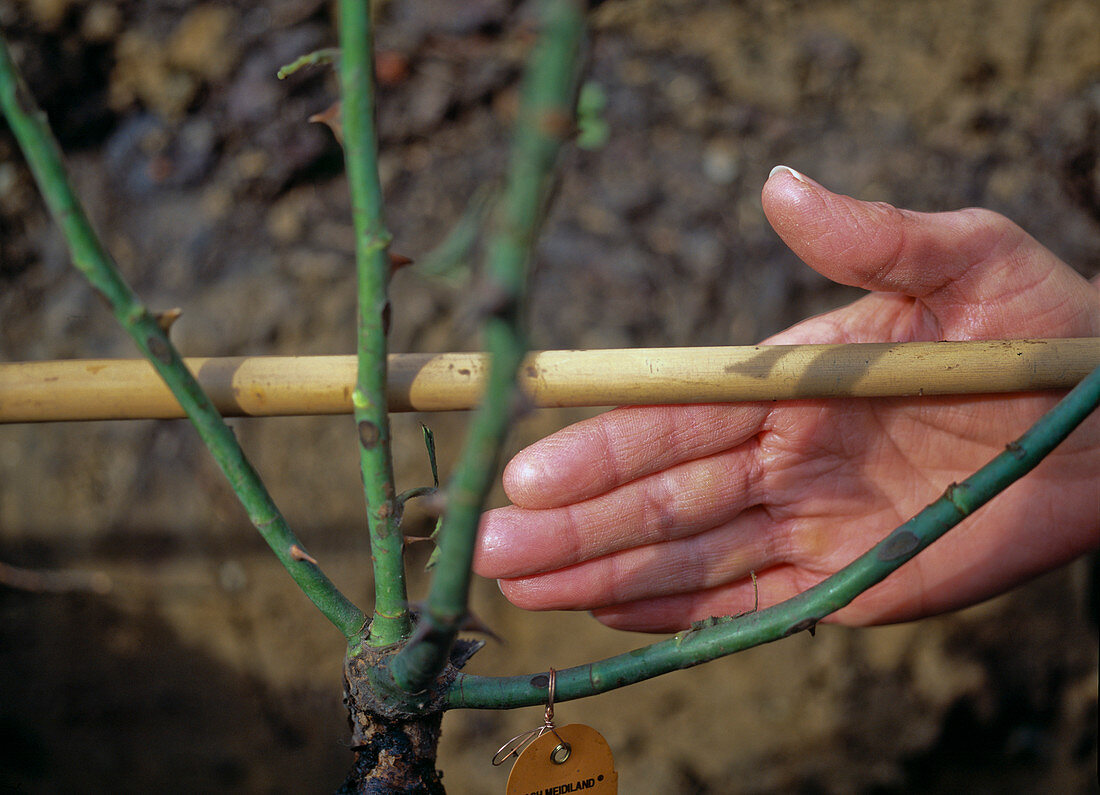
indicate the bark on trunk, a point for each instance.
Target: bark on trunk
{"x":394,"y":755}
{"x":396,"y":740}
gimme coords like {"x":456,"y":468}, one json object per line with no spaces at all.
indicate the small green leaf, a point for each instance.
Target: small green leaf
{"x":429,"y":442}
{"x":328,"y":55}
{"x":594,"y":129}
{"x":434,"y":557}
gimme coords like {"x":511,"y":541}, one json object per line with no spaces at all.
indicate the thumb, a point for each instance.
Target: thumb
{"x":978,"y":272}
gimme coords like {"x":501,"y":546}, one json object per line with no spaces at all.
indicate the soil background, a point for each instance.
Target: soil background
{"x":203,"y":669}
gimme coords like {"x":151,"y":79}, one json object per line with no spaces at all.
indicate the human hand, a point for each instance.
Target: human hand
{"x":654,"y":516}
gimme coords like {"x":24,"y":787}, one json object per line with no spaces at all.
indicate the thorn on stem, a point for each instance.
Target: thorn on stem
{"x":805,"y":625}
{"x":398,"y":261}
{"x":463,"y":650}
{"x":755,"y":597}
{"x":331,"y":116}
{"x":298,"y":553}
{"x":470,"y":622}
{"x":166,"y":318}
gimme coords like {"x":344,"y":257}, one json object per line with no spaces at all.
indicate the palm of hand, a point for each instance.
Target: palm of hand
{"x":654,"y":516}
{"x":841,"y":478}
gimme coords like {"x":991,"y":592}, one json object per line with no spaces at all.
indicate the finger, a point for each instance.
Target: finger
{"x":686,"y":565}
{"x":676,"y":612}
{"x":876,"y":246}
{"x":977,"y":271}
{"x":677,"y":502}
{"x":614,"y":448}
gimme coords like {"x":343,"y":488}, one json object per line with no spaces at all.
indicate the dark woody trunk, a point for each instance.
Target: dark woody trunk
{"x":394,"y":755}
{"x":395,"y":745}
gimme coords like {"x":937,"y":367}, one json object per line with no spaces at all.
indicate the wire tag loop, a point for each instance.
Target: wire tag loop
{"x":517,"y":744}
{"x":552,"y":759}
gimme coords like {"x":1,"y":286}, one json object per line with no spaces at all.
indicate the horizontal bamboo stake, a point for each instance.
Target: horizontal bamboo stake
{"x":112,"y":389}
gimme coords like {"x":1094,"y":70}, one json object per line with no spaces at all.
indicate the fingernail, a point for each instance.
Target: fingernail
{"x":501,"y":589}
{"x":801,"y":178}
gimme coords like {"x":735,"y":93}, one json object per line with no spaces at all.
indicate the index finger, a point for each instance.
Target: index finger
{"x":612,"y":449}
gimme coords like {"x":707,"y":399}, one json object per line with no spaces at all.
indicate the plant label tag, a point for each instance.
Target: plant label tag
{"x":573,"y":759}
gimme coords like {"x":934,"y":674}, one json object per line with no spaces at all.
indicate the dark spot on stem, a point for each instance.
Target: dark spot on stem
{"x":542,"y":681}
{"x":368,"y":434}
{"x":1018,"y":452}
{"x":387,"y":317}
{"x":159,"y":348}
{"x":557,"y":124}
{"x":897,"y":545}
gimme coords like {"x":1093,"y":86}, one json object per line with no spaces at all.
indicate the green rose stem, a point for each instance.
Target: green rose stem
{"x":545,"y":119}
{"x":44,"y":157}
{"x":392,"y":621}
{"x":717,"y":637}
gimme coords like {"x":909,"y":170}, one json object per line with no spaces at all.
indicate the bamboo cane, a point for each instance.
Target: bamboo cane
{"x":112,"y":389}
